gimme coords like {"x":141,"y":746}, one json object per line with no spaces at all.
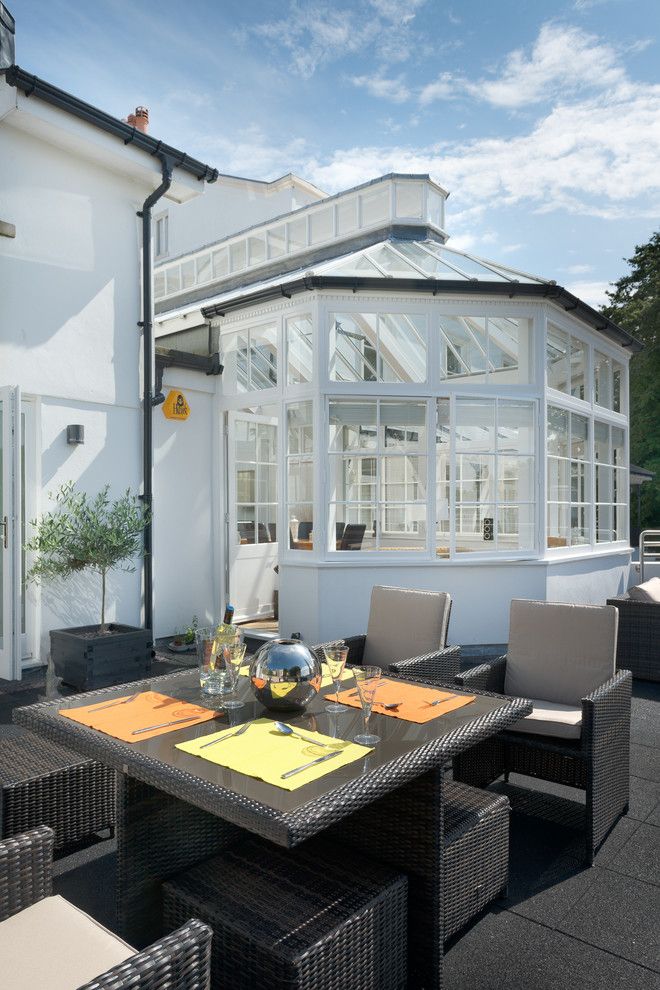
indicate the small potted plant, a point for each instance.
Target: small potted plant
{"x":184,"y":642}
{"x":99,"y":535}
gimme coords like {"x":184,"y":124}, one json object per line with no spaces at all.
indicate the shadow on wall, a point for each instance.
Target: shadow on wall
{"x":76,"y":600}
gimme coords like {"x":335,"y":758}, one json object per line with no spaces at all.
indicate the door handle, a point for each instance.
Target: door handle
{"x":5,"y":533}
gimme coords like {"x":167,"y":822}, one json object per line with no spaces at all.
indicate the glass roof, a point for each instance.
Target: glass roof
{"x":388,"y":259}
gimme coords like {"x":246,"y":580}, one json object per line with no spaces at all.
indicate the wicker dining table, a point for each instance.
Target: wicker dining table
{"x":175,"y":810}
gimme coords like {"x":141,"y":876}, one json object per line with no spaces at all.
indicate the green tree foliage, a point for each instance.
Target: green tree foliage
{"x":84,"y":533}
{"x":635,"y":305}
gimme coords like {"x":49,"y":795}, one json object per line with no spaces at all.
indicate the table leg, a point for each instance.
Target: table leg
{"x":405,"y":829}
{"x":157,"y":836}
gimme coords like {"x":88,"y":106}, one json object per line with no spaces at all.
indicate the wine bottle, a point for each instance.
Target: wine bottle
{"x":229,"y":615}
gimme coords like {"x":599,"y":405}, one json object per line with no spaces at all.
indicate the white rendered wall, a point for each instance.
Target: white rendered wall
{"x":228,"y":206}
{"x":69,"y":307}
{"x":187,"y":558}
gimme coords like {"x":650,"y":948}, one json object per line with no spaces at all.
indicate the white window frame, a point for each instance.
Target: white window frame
{"x":161,"y":243}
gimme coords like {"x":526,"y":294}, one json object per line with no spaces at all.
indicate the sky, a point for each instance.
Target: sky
{"x":542,"y":119}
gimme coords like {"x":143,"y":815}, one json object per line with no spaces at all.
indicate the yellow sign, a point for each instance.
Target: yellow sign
{"x":175,"y":405}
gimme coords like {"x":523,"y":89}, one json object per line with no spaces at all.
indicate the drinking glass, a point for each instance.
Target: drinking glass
{"x":367,"y":680}
{"x":335,"y":657}
{"x":234,"y":654}
{"x":212,"y":674}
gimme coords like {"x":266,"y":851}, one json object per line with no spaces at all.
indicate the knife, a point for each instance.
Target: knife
{"x":312,"y":763}
{"x":162,"y":725}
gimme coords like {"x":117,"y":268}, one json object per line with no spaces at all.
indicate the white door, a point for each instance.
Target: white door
{"x":11,"y":534}
{"x":252,"y":515}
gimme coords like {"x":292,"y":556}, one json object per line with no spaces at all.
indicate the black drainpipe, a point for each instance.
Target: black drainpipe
{"x":147,"y":390}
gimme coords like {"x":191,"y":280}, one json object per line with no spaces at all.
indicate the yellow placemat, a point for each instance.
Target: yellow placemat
{"x":148,"y":708}
{"x":263,"y":753}
{"x":415,"y":703}
{"x":326,"y":682}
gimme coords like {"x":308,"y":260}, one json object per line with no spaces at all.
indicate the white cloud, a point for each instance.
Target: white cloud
{"x":593,"y":293}
{"x":578,"y":269}
{"x":395,"y":90}
{"x":317,"y":33}
{"x":564,"y":61}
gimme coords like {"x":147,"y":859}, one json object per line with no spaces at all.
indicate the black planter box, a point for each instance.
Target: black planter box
{"x":86,"y":660}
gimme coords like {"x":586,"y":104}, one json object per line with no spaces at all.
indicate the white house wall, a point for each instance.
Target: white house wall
{"x":69,"y":308}
{"x":187,"y":554}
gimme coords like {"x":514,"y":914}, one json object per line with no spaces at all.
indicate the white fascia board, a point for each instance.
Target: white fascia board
{"x":173,"y":322}
{"x":85,"y":141}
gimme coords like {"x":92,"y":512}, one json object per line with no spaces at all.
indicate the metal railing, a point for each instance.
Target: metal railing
{"x":649,"y":549}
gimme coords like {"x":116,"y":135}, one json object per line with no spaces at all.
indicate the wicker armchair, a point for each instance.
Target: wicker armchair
{"x":638,"y":647}
{"x":180,"y":961}
{"x":401,"y":621}
{"x":584,"y":743}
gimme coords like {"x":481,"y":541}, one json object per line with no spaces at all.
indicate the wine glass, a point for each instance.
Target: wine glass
{"x":367,"y":680}
{"x":234,"y":654}
{"x":335,"y":657}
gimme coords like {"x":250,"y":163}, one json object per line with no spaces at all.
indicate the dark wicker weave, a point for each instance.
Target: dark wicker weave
{"x":318,"y":918}
{"x":476,"y":836}
{"x":43,"y":783}
{"x":181,"y":961}
{"x":441,"y":665}
{"x":598,"y":763}
{"x":638,"y":644}
{"x":167,"y":804}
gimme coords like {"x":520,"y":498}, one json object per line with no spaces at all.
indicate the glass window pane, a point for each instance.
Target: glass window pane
{"x":267,"y":483}
{"x":301,"y":526}
{"x":557,"y":431}
{"x":220,"y":263}
{"x":173,"y":278}
{"x":301,"y":481}
{"x":403,"y":425}
{"x":508,"y":350}
{"x":515,"y":427}
{"x":604,"y":483}
{"x":297,"y":234}
{"x":409,"y":199}
{"x":402,"y":479}
{"x":617,"y":386}
{"x":187,"y":274}
{"x":557,"y":358}
{"x":580,"y":525}
{"x":515,"y":482}
{"x":475,"y":528}
{"x":464,"y":347}
{"x":402,"y":527}
{"x":515,"y":527}
{"x":299,"y":349}
{"x":602,"y":380}
{"x":203,"y":268}
{"x":559,"y":487}
{"x":277,"y":241}
{"x":579,"y":437}
{"x":267,"y":523}
{"x":300,"y":430}
{"x":619,"y":522}
{"x":578,"y":368}
{"x":352,"y":479}
{"x":620,"y":492}
{"x":353,"y":527}
{"x":602,"y":442}
{"x":475,"y":425}
{"x":353,"y":425}
{"x":559,"y":525}
{"x":246,"y":524}
{"x":353,"y":347}
{"x":347,"y":219}
{"x":375,"y":205}
{"x":390,"y":261}
{"x":402,"y":348}
{"x":475,"y":478}
{"x":237,"y":256}
{"x":263,"y":357}
{"x":321,"y":225}
{"x":604,"y":528}
{"x":267,"y":443}
{"x":580,"y":474}
{"x":618,"y":446}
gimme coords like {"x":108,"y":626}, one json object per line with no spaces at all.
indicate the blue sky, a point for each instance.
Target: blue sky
{"x":542,"y":119}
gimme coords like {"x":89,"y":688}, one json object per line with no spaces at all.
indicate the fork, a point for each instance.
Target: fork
{"x":113,"y":704}
{"x":239,"y":732}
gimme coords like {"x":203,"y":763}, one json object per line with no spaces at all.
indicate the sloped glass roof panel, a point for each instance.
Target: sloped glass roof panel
{"x":391,"y":262}
{"x":429,"y":264}
{"x":463,"y":264}
{"x":354,"y":264}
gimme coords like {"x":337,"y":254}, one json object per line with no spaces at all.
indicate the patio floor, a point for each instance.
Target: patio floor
{"x":561,"y":924}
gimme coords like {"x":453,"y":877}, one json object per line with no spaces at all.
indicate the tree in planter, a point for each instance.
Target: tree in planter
{"x":85,"y":533}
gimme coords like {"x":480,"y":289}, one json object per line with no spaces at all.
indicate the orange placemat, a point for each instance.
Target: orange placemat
{"x":415,"y":700}
{"x":148,"y":708}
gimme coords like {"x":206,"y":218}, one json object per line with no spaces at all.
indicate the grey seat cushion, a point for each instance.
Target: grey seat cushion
{"x":51,"y":945}
{"x":648,"y":592}
{"x":405,"y":623}
{"x":559,"y":652}
{"x":550,"y":719}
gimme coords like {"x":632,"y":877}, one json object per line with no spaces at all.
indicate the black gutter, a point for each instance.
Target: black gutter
{"x":168,"y":358}
{"x":437,"y":287}
{"x":33,"y":86}
{"x":147,"y":388}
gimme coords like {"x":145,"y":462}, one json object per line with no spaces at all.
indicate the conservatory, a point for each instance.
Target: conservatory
{"x":393,"y":411}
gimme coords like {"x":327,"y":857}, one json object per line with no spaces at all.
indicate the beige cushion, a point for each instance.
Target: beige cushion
{"x":559,"y":652}
{"x":548,"y":719}
{"x":647,"y":592}
{"x":54,"y":946}
{"x":404,"y":623}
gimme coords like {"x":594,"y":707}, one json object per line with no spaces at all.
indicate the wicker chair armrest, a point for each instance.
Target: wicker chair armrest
{"x":617,"y":686}
{"x":26,"y":870}
{"x":355,"y":646}
{"x":649,"y":610}
{"x":180,"y":961}
{"x":441,"y":666}
{"x":485,"y":677}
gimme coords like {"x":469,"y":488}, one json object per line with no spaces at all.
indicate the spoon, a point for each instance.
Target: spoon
{"x":286,"y":730}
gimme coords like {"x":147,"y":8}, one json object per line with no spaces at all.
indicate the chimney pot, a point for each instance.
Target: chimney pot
{"x":139,"y":119}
